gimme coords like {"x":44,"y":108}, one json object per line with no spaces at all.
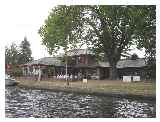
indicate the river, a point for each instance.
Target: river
{"x":24,"y":103}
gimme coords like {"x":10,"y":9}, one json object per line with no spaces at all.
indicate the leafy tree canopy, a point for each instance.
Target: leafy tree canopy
{"x":11,"y":54}
{"x":58,"y":30}
{"x":146,"y":32}
{"x":25,"y":52}
{"x":111,"y":30}
{"x":16,"y":55}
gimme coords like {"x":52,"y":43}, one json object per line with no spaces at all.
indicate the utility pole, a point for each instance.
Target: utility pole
{"x":86,"y":63}
{"x":66,"y":61}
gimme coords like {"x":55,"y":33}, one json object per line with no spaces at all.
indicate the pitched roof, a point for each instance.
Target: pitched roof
{"x":125,"y":63}
{"x":57,"y":62}
{"x":44,"y":61}
{"x":131,"y":63}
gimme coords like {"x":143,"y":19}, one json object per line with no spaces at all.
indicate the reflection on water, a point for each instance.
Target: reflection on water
{"x":42,"y":103}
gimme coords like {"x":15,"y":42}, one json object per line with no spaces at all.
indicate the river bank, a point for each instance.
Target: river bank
{"x":102,"y":87}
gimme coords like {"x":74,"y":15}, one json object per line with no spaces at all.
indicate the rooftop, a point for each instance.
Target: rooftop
{"x":125,"y":63}
{"x":45,"y":61}
{"x":131,"y":63}
{"x":55,"y":61}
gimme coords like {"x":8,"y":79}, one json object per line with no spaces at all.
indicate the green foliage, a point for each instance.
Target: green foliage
{"x":146,"y":31}
{"x":25,"y":52}
{"x":146,"y":36}
{"x":12,"y":57}
{"x":111,"y":30}
{"x":16,"y":71}
{"x":16,"y":55}
{"x":12,"y":54}
{"x":57,"y":32}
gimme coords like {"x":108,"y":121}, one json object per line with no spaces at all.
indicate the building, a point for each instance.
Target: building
{"x":82,"y":63}
{"x":45,"y":67}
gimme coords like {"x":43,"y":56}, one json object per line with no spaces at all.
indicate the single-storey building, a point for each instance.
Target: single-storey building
{"x":82,"y":63}
{"x":45,"y":67}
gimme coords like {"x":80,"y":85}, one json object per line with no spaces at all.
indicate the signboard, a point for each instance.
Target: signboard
{"x":136,"y":78}
{"x":131,"y":78}
{"x":126,"y":78}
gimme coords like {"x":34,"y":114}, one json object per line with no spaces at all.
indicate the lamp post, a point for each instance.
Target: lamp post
{"x":66,"y":69}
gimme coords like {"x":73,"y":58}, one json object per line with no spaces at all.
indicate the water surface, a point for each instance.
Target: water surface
{"x":21,"y":102}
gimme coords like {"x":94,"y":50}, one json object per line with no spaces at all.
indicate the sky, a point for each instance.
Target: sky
{"x":20,"y":18}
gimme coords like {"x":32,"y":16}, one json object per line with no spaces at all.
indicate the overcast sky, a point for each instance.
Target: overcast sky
{"x":20,"y":18}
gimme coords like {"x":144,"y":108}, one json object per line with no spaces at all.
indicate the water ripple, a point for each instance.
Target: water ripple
{"x":46,"y":104}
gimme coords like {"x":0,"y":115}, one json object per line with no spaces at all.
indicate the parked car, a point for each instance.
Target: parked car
{"x":9,"y":81}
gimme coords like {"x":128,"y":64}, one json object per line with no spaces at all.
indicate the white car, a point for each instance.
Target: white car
{"x":9,"y":81}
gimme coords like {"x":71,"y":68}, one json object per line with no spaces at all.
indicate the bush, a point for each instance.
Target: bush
{"x":17,"y":72}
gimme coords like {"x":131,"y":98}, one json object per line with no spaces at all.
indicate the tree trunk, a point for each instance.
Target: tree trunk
{"x":113,"y":71}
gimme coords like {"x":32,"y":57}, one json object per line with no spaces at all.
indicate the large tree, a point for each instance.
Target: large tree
{"x":146,"y":34}
{"x":107,"y":29}
{"x":16,"y":55}
{"x":25,"y":52}
{"x":12,"y":55}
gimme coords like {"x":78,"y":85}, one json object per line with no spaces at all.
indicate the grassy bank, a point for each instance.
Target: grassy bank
{"x":104,"y":87}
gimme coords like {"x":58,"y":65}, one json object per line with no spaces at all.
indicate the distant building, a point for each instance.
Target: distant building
{"x":83,"y":64}
{"x":8,"y":68}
